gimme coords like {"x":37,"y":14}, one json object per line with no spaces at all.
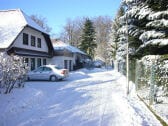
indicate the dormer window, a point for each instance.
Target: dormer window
{"x":33,"y":40}
{"x":39,"y":42}
{"x":25,"y":39}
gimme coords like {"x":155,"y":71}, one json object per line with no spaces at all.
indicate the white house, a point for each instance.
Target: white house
{"x":67,"y":56}
{"x":20,"y":35}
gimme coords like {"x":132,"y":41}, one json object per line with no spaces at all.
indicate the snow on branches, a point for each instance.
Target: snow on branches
{"x":13,"y":72}
{"x":157,"y":42}
{"x":158,"y":15}
{"x":158,"y":24}
{"x":148,"y":35}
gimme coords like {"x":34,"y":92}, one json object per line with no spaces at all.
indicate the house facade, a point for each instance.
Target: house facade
{"x":62,"y":56}
{"x":20,"y":35}
{"x":67,"y":56}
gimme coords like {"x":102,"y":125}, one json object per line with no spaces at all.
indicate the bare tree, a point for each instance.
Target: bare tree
{"x":72,"y":31}
{"x":102,"y":25}
{"x":41,"y":21}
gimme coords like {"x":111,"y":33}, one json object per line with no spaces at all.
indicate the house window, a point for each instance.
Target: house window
{"x":44,"y":62}
{"x":39,"y":43}
{"x":25,"y":39}
{"x":33,"y":40}
{"x":32,"y":63}
{"x":38,"y":62}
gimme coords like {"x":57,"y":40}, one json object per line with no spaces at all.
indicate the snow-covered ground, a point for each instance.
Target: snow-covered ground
{"x":161,"y":109}
{"x":87,"y":98}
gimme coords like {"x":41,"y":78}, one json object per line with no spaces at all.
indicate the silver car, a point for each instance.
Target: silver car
{"x":48,"y":72}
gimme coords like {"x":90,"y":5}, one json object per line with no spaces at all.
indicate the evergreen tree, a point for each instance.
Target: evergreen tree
{"x":88,"y":43}
{"x":114,"y":35}
{"x":144,"y":25}
{"x":154,"y":37}
{"x":133,"y":24}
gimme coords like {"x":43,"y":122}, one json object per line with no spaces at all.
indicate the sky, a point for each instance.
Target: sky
{"x":57,"y":12}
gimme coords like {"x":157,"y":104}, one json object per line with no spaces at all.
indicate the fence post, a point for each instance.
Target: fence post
{"x":152,"y":81}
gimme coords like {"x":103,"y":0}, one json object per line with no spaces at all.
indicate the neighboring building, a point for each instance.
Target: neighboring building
{"x":20,"y":35}
{"x":68,"y":56}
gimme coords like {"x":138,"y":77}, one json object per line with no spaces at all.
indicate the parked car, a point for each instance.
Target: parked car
{"x":48,"y":72}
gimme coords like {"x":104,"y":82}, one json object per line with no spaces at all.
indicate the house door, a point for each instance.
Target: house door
{"x":70,"y":65}
{"x":66,"y":64}
{"x":32,"y":63}
{"x":38,"y":62}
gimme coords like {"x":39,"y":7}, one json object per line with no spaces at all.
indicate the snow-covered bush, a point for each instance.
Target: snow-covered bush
{"x":13,"y":72}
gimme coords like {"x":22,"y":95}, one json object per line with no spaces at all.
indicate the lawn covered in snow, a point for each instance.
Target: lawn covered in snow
{"x":94,"y":97}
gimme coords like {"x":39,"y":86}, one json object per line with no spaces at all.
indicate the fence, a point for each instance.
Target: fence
{"x":151,"y":79}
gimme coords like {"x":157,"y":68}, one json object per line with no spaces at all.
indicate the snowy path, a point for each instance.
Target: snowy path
{"x":86,"y":98}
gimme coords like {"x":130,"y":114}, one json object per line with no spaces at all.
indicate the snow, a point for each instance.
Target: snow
{"x":12,"y":23}
{"x":151,"y":35}
{"x":158,"y":42}
{"x":163,"y":23}
{"x":59,"y":45}
{"x":160,"y":109}
{"x":133,"y":11}
{"x":94,"y":97}
{"x":128,"y":1}
{"x":158,"y":15}
{"x":144,"y":12}
{"x":32,"y":23}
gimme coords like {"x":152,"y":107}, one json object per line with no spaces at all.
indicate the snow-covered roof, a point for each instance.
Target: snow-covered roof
{"x":59,"y":45}
{"x":12,"y":23}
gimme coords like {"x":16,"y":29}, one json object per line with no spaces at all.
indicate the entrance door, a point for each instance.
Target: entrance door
{"x":66,"y":64}
{"x":70,"y":65}
{"x":32,"y":63}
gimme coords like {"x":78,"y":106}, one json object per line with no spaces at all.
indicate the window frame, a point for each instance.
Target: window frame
{"x":33,"y":41}
{"x":39,"y":42}
{"x":25,"y":39}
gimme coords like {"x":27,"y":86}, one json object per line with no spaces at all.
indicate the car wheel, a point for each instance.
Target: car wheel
{"x":53,"y":78}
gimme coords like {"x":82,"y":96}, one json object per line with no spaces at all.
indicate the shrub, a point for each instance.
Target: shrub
{"x":12,"y":72}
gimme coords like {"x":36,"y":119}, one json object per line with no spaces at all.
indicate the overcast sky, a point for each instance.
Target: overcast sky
{"x":58,"y":11}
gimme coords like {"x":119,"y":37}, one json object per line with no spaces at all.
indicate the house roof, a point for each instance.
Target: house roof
{"x":12,"y":23}
{"x":59,"y":45}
